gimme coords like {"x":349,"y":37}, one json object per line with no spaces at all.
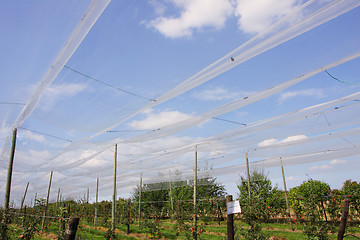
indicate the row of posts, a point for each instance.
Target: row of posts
{"x":228,"y":198}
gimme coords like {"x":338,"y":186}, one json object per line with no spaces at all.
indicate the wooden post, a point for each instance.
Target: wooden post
{"x":322,"y":205}
{"x":70,"y":232}
{"x":171,"y":198}
{"x":286,"y":196}
{"x":178,"y":210}
{"x":195,"y":185}
{"x":343,"y":220}
{"x":248,"y":179}
{"x":47,"y":202}
{"x":128,"y":217}
{"x":140,"y":186}
{"x":114,"y":193}
{"x":35,"y":199}
{"x":218,"y":211}
{"x":24,"y":217}
{"x":96,"y":201}
{"x":87,"y":204}
{"x":9,"y":173}
{"x":229,"y":220}
{"x":23,"y":199}
{"x":57,"y":199}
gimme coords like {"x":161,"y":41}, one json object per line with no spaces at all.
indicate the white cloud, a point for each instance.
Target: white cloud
{"x":155,"y":120}
{"x":291,"y":178}
{"x":268,"y":142}
{"x":318,"y":93}
{"x":253,"y":15}
{"x":328,"y":166}
{"x":216,"y":94}
{"x":257,"y":15}
{"x":32,"y":159}
{"x":293,"y":138}
{"x":57,"y":92}
{"x":67,"y":90}
{"x":337,"y":161}
{"x":158,"y":6}
{"x":274,"y":141}
{"x":28,"y":135}
{"x":321,"y":167}
{"x":194,"y":15}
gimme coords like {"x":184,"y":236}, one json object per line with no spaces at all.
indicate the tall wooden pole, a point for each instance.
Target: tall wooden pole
{"x":286,"y":196}
{"x":57,"y":199}
{"x":47,"y":201}
{"x":248,"y":178}
{"x":9,"y":172}
{"x":140,"y":186}
{"x":35,"y":199}
{"x":343,"y":220}
{"x":171,"y":198}
{"x":195,"y":186}
{"x":114,"y":192}
{"x":96,"y":201}
{"x":229,"y":220}
{"x":23,"y":199}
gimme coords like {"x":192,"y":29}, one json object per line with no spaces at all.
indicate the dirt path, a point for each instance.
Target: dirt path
{"x":118,"y":231}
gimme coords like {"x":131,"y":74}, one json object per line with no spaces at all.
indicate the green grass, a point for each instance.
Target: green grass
{"x":212,"y":231}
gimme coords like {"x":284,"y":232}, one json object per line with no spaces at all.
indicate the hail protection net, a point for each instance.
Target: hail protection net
{"x":100,"y":77}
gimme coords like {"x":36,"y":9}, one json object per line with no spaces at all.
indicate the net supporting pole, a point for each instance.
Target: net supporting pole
{"x":96,"y":201}
{"x":171,"y":198}
{"x":9,"y":172}
{"x":285,"y":191}
{"x":23,"y":199}
{"x":195,"y":186}
{"x":35,"y":199}
{"x":47,"y":202}
{"x":114,"y":193}
{"x":248,"y":178}
{"x":57,"y":199}
{"x":140,"y":186}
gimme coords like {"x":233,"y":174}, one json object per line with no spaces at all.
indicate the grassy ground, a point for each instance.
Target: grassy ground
{"x":212,"y":231}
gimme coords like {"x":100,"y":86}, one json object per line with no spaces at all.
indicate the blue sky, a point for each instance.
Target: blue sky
{"x":138,"y":51}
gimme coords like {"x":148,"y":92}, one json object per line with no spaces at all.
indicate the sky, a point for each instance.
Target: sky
{"x":164,"y":78}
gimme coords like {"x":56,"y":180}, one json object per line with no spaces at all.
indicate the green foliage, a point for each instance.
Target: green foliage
{"x":314,"y":190}
{"x":160,"y":198}
{"x":308,"y":202}
{"x":269,"y":201}
{"x":152,"y":226}
{"x":3,"y":230}
{"x":251,"y":218}
{"x":351,"y":190}
{"x":187,"y":230}
{"x":110,"y":234}
{"x":29,"y":231}
{"x":334,"y":208}
{"x":262,"y":195}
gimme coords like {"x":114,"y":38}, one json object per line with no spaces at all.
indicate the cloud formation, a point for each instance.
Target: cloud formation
{"x":257,"y":15}
{"x":274,"y":141}
{"x":155,"y":120}
{"x":216,"y":94}
{"x":312,"y":92}
{"x":57,"y":92}
{"x":328,"y":166}
{"x":28,"y":135}
{"x":193,"y":15}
